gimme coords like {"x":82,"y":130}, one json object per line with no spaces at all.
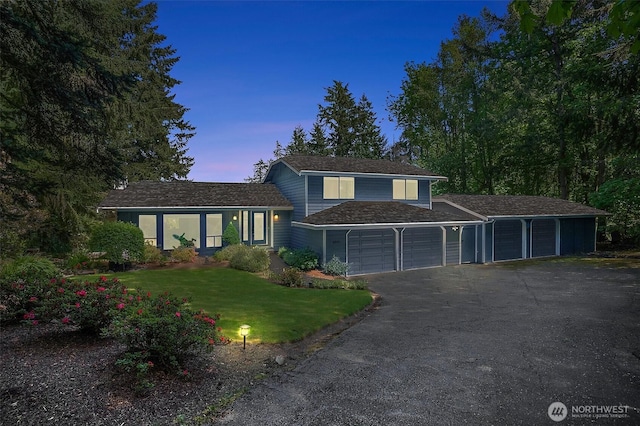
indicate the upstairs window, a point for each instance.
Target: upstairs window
{"x":338,"y":188}
{"x":405,"y":189}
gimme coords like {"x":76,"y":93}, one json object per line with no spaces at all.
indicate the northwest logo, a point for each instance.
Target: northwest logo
{"x":557,"y":411}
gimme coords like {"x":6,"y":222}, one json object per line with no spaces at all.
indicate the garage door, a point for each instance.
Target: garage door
{"x":507,"y":239}
{"x":371,"y":251}
{"x":543,"y":237}
{"x":422,"y":247}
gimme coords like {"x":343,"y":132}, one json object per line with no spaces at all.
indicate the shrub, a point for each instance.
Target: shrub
{"x":228,"y":252}
{"x":339,"y":284}
{"x":336,"y":267}
{"x":230,"y":235}
{"x":122,"y":242}
{"x":251,"y":259}
{"x":291,"y":277}
{"x":152,"y":254}
{"x":184,"y":254}
{"x":29,"y":270}
{"x":78,"y":260}
{"x":88,"y":305}
{"x":161,"y":332}
{"x":303,"y":259}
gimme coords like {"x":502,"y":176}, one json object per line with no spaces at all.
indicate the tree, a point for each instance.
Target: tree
{"x":85,"y":94}
{"x":349,"y":129}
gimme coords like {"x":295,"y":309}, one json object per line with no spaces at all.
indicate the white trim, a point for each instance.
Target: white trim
{"x":306,"y":196}
{"x":201,"y":208}
{"x":464,"y":209}
{"x":324,"y":246}
{"x":382,"y":225}
{"x":357,"y":174}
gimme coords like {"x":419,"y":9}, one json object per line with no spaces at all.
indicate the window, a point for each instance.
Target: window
{"x":214,"y":230}
{"x":405,"y":189}
{"x":175,"y":225}
{"x":147,"y":223}
{"x":336,"y":188}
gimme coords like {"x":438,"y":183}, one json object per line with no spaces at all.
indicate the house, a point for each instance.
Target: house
{"x":376,"y":215}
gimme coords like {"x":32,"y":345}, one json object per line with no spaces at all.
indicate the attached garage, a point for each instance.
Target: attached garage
{"x":543,"y":237}
{"x":421,"y":247}
{"x":370,"y":251}
{"x":507,"y":240}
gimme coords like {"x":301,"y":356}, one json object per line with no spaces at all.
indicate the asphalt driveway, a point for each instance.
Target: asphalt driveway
{"x":473,"y":344}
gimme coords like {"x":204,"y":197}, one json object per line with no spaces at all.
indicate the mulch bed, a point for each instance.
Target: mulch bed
{"x":55,"y":375}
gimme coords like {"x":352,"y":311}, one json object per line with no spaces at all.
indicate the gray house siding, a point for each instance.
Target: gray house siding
{"x":282,"y":229}
{"x":336,"y":245}
{"x":577,"y":235}
{"x":291,"y":186}
{"x":452,"y":245}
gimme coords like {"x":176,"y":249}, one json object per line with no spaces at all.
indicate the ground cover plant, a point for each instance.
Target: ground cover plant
{"x":275,"y":313}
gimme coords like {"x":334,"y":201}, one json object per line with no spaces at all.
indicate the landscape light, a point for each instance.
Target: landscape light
{"x":244,"y":332}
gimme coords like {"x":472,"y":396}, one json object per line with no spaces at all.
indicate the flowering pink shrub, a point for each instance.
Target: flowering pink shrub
{"x":163,"y":330}
{"x":158,"y":331}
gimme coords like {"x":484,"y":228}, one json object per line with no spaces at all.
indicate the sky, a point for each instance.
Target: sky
{"x":252,"y":71}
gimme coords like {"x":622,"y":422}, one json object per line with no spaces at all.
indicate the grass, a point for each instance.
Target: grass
{"x":275,"y":313}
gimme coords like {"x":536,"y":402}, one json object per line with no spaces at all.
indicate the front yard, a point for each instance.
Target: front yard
{"x":275,"y":313}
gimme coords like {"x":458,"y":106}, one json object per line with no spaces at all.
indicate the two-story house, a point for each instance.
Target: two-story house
{"x":376,"y":215}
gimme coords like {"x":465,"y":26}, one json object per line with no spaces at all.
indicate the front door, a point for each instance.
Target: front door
{"x":254,"y":227}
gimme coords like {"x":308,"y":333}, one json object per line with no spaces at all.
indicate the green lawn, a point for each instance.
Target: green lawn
{"x":275,"y":313}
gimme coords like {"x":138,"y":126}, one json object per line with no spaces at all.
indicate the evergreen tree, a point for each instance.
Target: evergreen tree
{"x":85,"y":105}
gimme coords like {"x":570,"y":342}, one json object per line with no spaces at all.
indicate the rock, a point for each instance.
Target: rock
{"x":280,"y":359}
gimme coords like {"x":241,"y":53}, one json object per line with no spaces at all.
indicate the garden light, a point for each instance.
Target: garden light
{"x":244,"y":332}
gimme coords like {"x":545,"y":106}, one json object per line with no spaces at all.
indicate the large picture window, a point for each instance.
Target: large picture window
{"x":179,"y":224}
{"x":338,"y":188}
{"x":214,"y":230}
{"x":405,"y":189}
{"x":147,"y":223}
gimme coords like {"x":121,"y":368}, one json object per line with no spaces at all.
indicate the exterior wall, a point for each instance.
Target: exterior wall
{"x":452,"y":253}
{"x":282,"y":229}
{"x":291,"y":186}
{"x":365,"y":189}
{"x":336,"y":245}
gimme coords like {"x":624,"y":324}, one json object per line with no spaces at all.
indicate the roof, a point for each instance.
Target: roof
{"x":302,"y":164}
{"x":518,"y":205}
{"x":184,"y":194}
{"x":378,"y":212}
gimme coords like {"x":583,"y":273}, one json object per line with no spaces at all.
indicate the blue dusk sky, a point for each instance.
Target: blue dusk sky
{"x":253,"y":71}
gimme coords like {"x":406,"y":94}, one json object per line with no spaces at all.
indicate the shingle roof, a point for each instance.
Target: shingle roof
{"x":375,"y":212}
{"x":195,"y":194}
{"x":520,"y":205}
{"x":307,"y":163}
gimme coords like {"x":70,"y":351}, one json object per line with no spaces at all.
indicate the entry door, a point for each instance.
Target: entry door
{"x":254,"y":227}
{"x":468,"y":244}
